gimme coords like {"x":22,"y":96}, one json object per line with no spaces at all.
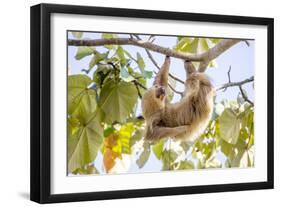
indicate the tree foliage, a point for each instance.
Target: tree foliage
{"x":101,"y":120}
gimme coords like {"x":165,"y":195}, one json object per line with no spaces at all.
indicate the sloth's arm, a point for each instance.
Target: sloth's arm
{"x":161,"y":78}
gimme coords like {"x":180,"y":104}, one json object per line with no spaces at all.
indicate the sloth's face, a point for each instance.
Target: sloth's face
{"x":160,"y":92}
{"x":153,"y":100}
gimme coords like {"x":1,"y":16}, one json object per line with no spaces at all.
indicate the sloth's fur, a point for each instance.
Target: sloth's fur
{"x":186,"y":119}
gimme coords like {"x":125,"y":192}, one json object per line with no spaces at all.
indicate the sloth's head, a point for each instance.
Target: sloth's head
{"x":153,"y":100}
{"x":159,"y":92}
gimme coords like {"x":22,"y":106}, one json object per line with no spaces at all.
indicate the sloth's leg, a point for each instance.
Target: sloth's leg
{"x":189,"y":69}
{"x":163,"y":132}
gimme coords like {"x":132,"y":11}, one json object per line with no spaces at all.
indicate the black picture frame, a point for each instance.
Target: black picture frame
{"x":41,"y":98}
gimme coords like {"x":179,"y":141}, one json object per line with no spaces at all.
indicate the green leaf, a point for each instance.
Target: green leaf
{"x":215,"y":40}
{"x":237,"y":159}
{"x":168,"y":157}
{"x":219,"y":108}
{"x":125,"y":134}
{"x":244,"y":158}
{"x":213,"y":162}
{"x":97,"y":58}
{"x":185,"y":146}
{"x":83,"y":52}
{"x":183,"y":44}
{"x":78,"y":35}
{"x":84,"y":147}
{"x":143,"y":157}
{"x":121,"y":55}
{"x":229,"y":126}
{"x":226,"y":148}
{"x":80,"y":97}
{"x":140,"y":62}
{"x":125,"y":76}
{"x":73,"y":125}
{"x":86,"y":170}
{"x":108,"y":131}
{"x":101,"y":73}
{"x":108,"y":35}
{"x":251,"y":157}
{"x":186,"y":165}
{"x":117,"y":100}
{"x":193,"y":46}
{"x":158,"y":149}
{"x":147,"y":74}
{"x":213,"y":64}
{"x":128,"y":54}
{"x":204,"y":44}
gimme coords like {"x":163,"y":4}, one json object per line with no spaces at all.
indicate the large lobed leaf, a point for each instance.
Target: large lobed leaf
{"x":84,"y":51}
{"x":83,"y":148}
{"x":196,"y":46}
{"x":80,"y":96}
{"x":117,"y":100}
{"x":229,"y":126}
{"x":84,"y":129}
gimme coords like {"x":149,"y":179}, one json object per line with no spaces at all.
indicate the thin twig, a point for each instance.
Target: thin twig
{"x":139,"y":84}
{"x":245,"y":97}
{"x":152,"y":59}
{"x":239,"y":84}
{"x":155,"y":63}
{"x":175,"y":91}
{"x":247,"y":43}
{"x":176,"y":78}
{"x":137,"y":87}
{"x":228,"y":75}
{"x":233,"y":84}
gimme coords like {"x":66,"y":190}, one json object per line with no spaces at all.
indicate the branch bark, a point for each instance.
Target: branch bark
{"x":211,"y":54}
{"x":232,"y":84}
{"x":155,"y":63}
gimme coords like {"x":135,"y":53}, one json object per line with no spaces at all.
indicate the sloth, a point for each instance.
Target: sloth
{"x":184,"y":120}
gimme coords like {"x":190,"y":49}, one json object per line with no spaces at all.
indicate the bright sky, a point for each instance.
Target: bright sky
{"x":240,"y":57}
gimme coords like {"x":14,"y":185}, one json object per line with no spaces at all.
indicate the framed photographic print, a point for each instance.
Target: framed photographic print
{"x":132,"y":103}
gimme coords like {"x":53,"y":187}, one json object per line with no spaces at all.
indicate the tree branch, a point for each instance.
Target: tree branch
{"x":158,"y":67}
{"x":233,"y":84}
{"x":175,"y":91}
{"x":239,"y":84}
{"x":138,"y":90}
{"x":209,"y":55}
{"x":245,"y":97}
{"x":139,"y":84}
{"x":154,"y":61}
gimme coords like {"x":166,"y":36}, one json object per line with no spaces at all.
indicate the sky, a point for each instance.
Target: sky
{"x":240,"y":57}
